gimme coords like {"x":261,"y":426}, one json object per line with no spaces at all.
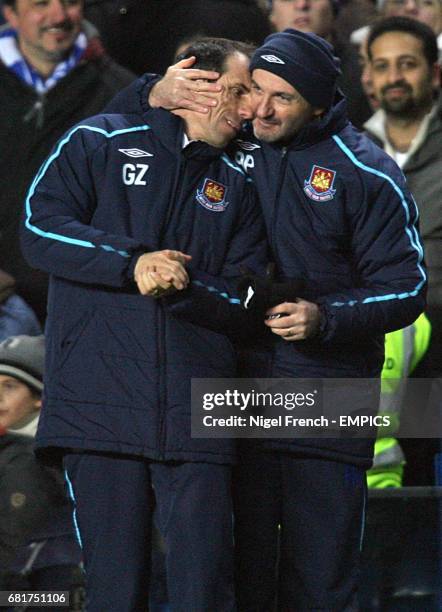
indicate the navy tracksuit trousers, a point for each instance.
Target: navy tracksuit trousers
{"x":114,"y":497}
{"x":319,"y":506}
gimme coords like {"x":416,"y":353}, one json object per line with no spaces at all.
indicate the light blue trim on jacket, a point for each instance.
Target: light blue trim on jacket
{"x":215,"y":290}
{"x":74,"y":513}
{"x":42,"y":172}
{"x":414,"y":241}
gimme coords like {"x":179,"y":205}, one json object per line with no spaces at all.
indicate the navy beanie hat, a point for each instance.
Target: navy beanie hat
{"x":304,"y":60}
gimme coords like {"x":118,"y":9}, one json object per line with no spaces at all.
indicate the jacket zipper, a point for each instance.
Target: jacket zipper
{"x":276,"y":206}
{"x":161,"y":343}
{"x":174,"y":201}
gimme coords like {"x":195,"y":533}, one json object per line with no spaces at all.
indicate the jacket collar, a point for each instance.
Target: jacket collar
{"x":169,"y":129}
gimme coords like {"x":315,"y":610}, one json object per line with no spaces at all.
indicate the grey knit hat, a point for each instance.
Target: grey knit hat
{"x":22,"y":357}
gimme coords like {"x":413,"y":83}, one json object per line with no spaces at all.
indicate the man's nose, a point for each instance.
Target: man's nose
{"x":394,"y":74}
{"x":302,"y":5}
{"x":57,"y":11}
{"x":411,"y":7}
{"x":264,"y":108}
{"x":246,"y":110}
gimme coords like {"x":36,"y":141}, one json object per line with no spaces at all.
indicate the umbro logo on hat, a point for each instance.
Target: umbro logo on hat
{"x":272,"y":59}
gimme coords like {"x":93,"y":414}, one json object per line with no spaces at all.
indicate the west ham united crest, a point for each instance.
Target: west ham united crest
{"x":212,"y":196}
{"x":319,"y":186}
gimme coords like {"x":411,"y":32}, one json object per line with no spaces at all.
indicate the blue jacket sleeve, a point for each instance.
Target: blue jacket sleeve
{"x":212,"y":301}
{"x":58,"y":236}
{"x":389,"y":291}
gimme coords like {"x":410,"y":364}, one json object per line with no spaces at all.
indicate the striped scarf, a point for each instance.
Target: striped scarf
{"x":12,"y":58}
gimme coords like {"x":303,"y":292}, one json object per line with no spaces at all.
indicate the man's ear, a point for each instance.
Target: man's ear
{"x":37,"y":403}
{"x":317,"y":112}
{"x":10,"y":15}
{"x":435,"y":75}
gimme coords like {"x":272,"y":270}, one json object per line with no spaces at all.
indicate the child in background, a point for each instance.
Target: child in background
{"x":38,"y":547}
{"x":21,"y":383}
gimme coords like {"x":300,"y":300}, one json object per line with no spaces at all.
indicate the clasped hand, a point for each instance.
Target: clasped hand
{"x":161,"y":272}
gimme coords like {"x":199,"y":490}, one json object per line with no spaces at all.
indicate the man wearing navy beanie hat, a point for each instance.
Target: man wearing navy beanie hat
{"x":334,"y":205}
{"x":339,"y":216}
{"x":320,"y":18}
{"x":304,"y":60}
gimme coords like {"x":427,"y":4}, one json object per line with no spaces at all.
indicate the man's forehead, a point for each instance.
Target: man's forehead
{"x":237,"y":70}
{"x":267,"y":79}
{"x":395,"y":43}
{"x":29,"y":4}
{"x":236,"y":63}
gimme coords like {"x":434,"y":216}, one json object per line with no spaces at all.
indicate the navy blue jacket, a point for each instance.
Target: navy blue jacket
{"x":119,"y":364}
{"x":338,"y":215}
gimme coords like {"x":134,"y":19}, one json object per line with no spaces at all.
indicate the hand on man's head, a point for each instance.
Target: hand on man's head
{"x":183,"y":87}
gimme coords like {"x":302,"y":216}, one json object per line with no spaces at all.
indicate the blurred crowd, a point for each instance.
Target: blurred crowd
{"x":64,"y":60}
